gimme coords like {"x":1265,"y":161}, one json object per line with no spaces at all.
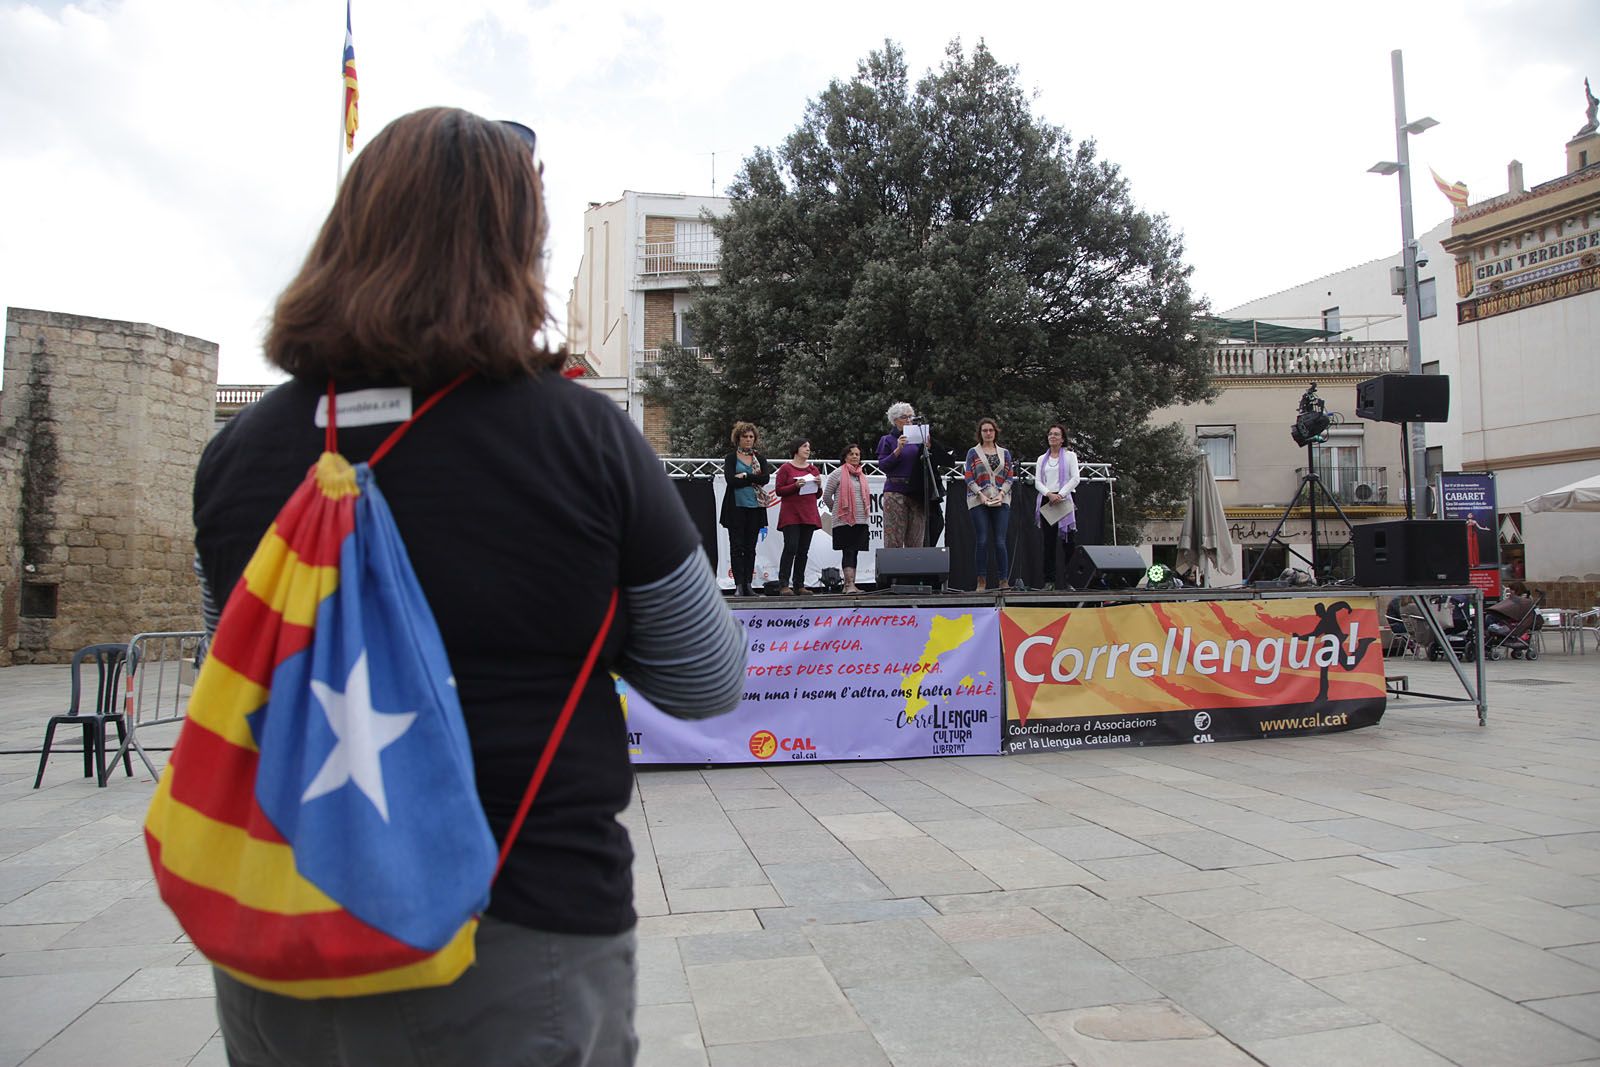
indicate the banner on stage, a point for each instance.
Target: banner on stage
{"x":828,"y":684}
{"x":1190,"y":672}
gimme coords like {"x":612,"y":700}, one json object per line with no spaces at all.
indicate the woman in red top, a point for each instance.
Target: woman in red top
{"x":798,"y":483}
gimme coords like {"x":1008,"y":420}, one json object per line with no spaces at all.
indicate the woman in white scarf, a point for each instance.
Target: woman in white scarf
{"x":1055,"y":478}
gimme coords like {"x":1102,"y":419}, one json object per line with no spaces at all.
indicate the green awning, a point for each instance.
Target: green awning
{"x":1267,"y":333}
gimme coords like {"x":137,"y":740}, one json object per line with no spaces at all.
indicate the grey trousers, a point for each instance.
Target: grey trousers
{"x":532,"y":998}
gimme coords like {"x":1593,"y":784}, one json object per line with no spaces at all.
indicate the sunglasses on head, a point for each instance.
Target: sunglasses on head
{"x":528,"y":137}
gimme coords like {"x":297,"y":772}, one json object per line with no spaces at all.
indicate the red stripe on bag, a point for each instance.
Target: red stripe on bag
{"x":273,"y":946}
{"x":315,"y":527}
{"x":257,"y":638}
{"x":218,"y":781}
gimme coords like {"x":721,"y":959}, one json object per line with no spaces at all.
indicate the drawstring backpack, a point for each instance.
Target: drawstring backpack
{"x":317,"y":831}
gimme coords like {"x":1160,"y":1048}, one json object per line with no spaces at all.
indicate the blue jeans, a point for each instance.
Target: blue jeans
{"x":990,"y":525}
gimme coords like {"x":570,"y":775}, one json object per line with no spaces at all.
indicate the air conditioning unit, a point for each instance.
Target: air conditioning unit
{"x":1367,"y":493}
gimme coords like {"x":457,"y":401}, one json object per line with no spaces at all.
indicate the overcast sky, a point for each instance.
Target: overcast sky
{"x":169,"y":161}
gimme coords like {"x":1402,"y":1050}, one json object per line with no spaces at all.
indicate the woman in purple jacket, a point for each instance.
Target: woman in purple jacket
{"x":903,"y":511}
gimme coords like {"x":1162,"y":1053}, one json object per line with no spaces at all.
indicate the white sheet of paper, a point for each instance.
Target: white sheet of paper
{"x":915,"y":434}
{"x":811,"y":488}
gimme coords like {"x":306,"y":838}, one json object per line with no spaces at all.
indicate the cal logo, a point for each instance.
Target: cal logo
{"x":763,"y":745}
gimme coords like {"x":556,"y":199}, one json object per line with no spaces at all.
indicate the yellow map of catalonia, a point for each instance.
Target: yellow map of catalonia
{"x":946,"y":635}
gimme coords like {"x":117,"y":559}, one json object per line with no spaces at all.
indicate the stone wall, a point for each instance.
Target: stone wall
{"x":1577,"y":596}
{"x":101,"y":426}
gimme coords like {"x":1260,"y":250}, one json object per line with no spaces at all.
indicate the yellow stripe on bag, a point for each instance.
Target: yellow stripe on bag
{"x":441,"y":968}
{"x":285,"y":582}
{"x":222,"y":698}
{"x":214,"y":855}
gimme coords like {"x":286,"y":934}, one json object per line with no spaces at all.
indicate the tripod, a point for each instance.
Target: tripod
{"x":1309,"y":486}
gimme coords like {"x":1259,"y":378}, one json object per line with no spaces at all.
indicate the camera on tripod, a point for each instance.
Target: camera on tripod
{"x":1312,"y":421}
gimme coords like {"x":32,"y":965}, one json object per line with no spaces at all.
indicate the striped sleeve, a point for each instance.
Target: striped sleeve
{"x":209,"y":610}
{"x":685,"y":651}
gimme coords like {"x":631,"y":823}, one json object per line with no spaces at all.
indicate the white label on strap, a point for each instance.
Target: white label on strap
{"x":367,"y":407}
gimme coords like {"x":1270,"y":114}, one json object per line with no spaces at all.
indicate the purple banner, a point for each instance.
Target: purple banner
{"x":824,"y":684}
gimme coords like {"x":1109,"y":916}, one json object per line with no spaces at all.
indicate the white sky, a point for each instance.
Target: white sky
{"x":169,"y":161}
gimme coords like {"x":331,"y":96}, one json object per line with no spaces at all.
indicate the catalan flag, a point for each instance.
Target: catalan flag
{"x":317,"y":831}
{"x":1455,"y":192}
{"x":351,"y":92}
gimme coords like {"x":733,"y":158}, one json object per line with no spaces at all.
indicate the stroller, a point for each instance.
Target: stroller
{"x":1514,"y":637}
{"x":1455,"y":622}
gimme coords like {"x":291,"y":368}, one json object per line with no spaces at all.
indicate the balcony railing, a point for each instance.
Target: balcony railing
{"x":647,"y":360}
{"x":1298,"y":361}
{"x":694,"y":255}
{"x":237,"y":396}
{"x":1357,"y":486}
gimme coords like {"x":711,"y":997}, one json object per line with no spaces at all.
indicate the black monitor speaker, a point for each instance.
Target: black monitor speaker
{"x":1411,"y":552}
{"x":1404,"y":398}
{"x":912,"y":566}
{"x":1105,"y":567}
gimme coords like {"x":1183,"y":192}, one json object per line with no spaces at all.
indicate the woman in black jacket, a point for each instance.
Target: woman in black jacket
{"x":744,"y":512}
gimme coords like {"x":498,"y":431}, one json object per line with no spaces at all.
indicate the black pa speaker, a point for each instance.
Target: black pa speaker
{"x":914,"y":566}
{"x":1105,"y":567}
{"x":1404,"y":398}
{"x":1414,"y":552}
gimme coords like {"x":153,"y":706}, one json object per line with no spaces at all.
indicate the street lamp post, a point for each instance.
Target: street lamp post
{"x":1416,"y":443}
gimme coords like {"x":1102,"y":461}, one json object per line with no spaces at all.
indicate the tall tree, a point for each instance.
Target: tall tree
{"x":946,"y":246}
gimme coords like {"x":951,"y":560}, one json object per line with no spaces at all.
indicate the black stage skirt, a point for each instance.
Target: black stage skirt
{"x":854,"y":536}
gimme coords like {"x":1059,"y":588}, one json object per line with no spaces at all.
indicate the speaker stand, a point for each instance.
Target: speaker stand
{"x":1405,"y":466}
{"x":1310,"y":484}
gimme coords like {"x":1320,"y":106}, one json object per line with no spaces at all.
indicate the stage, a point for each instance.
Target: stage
{"x":889,"y":675}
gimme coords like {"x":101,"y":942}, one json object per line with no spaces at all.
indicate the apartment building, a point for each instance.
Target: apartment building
{"x":645,"y":255}
{"x":1263,"y":370}
{"x":1510,"y":304}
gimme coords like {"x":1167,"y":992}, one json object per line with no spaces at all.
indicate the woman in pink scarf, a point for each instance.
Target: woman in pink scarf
{"x":847,"y":496}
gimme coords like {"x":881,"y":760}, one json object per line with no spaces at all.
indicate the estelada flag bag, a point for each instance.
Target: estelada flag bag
{"x":317,"y":831}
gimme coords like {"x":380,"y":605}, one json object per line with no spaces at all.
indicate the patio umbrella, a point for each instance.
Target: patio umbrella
{"x":1204,"y":540}
{"x":1579,"y":496}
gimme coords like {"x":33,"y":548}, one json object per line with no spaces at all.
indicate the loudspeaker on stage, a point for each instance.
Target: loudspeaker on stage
{"x":1105,"y":567}
{"x":918,"y":566}
{"x":1411,"y":552}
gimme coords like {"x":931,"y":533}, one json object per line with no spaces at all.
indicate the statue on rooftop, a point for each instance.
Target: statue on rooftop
{"x":1594,"y":107}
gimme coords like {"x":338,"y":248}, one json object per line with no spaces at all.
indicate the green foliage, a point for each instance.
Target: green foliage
{"x":945,"y":246}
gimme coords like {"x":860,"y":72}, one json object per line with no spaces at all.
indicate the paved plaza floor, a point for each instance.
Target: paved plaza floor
{"x":1421,"y":892}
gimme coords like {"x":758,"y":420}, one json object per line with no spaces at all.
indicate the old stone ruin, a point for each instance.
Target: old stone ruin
{"x":101,"y":426}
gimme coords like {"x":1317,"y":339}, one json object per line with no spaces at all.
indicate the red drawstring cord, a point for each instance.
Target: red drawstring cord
{"x":562,"y":720}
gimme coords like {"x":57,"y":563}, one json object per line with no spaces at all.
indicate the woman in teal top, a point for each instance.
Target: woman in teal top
{"x":744,"y":471}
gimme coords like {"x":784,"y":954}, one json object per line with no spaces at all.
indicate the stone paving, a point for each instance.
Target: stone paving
{"x":1422,"y":892}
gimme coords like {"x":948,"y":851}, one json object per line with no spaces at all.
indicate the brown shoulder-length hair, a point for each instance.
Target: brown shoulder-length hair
{"x":741,"y":428}
{"x":429,"y":264}
{"x":977,"y":433}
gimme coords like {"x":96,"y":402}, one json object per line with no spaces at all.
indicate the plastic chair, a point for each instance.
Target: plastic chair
{"x":108,"y":660}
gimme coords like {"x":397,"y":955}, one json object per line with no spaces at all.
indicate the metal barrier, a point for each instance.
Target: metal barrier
{"x":159,"y":677}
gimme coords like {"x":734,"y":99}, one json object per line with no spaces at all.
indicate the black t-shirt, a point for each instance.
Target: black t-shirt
{"x":521,"y":506}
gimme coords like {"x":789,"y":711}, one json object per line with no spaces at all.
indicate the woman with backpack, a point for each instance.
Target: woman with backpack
{"x":551,"y":550}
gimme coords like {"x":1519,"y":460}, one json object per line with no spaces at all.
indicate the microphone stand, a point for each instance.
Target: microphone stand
{"x":931,"y":490}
